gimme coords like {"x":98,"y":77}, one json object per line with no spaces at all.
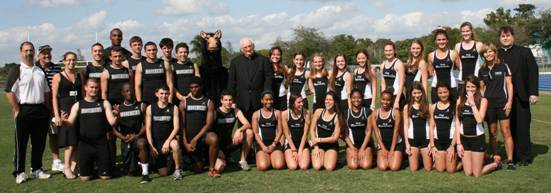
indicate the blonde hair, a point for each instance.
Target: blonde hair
{"x":486,"y":48}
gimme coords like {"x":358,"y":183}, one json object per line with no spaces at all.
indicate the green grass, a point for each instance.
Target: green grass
{"x":534,"y":178}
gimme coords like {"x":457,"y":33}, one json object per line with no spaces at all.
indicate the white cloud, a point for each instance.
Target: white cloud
{"x":182,"y":7}
{"x":93,"y":21}
{"x":54,"y":3}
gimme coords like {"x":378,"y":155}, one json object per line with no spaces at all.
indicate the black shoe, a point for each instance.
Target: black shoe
{"x":510,"y":166}
{"x":145,"y":179}
{"x":523,"y":163}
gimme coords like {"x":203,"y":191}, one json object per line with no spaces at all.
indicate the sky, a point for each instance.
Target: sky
{"x":67,"y":25}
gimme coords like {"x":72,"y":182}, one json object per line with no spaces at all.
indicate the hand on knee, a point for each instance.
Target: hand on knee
{"x":174,"y":145}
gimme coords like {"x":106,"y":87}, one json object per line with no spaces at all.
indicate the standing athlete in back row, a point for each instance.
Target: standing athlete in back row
{"x":150,"y":74}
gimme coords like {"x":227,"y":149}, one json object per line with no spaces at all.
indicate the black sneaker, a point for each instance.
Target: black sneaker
{"x":510,"y":165}
{"x":145,"y":179}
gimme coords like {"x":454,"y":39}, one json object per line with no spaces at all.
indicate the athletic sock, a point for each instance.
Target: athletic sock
{"x":145,"y":169}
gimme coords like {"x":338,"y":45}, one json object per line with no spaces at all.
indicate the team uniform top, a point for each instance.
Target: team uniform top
{"x":363,"y":83}
{"x":298,"y":85}
{"x":391,"y":76}
{"x":418,"y":126}
{"x":469,"y":61}
{"x":443,"y":70}
{"x":494,"y":79}
{"x":267,"y":127}
{"x":94,"y":71}
{"x":444,"y":122}
{"x":196,"y":115}
{"x":356,"y":123}
{"x":325,"y":128}
{"x":386,"y":128}
{"x":162,"y":123}
{"x":182,"y":75}
{"x":223,"y":125}
{"x":153,"y":75}
{"x":296,"y":127}
{"x":93,"y":123}
{"x":320,"y":89}
{"x":278,"y":84}
{"x":131,"y":118}
{"x":469,"y":126}
{"x":117,"y":78}
{"x":412,"y":76}
{"x":68,"y":92}
{"x":340,"y":89}
{"x":132,"y":62}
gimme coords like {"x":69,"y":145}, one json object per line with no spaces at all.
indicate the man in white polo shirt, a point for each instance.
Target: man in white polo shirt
{"x":28,"y":92}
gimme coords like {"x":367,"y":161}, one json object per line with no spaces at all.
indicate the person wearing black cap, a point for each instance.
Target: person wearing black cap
{"x":28,"y":93}
{"x":116,"y":38}
{"x":525,"y":76}
{"x":198,"y":138}
{"x":44,"y":61}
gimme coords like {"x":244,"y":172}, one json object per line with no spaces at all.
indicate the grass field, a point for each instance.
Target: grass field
{"x":533,"y":178}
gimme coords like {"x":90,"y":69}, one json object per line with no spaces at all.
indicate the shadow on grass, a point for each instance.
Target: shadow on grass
{"x":539,"y":149}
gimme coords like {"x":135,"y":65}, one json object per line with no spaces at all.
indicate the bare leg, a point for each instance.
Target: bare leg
{"x":53,"y":146}
{"x":366,"y":158}
{"x":506,"y":132}
{"x":493,"y":138}
{"x":247,"y":144}
{"x":396,"y":160}
{"x":330,"y":160}
{"x":382,"y":161}
{"x":440,"y":161}
{"x":414,"y":159}
{"x":291,"y":163}
{"x":468,"y":163}
{"x":317,"y":158}
{"x":262,"y":161}
{"x":427,"y":160}
{"x":451,"y":163}
{"x":277,"y":160}
{"x":477,"y":161}
{"x":220,"y":162}
{"x":352,"y":158}
{"x":175,"y":153}
{"x":212,"y":142}
{"x":68,"y":154}
{"x":304,"y":159}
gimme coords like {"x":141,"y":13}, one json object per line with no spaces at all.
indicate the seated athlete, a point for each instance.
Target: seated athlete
{"x":359,"y":146}
{"x":198,"y":139}
{"x":242,"y":138}
{"x":386,"y":126}
{"x":416,"y":128}
{"x":295,"y":122}
{"x":132,"y":134}
{"x":95,"y":119}
{"x":325,"y":130}
{"x":162,"y":121}
{"x":267,"y":132}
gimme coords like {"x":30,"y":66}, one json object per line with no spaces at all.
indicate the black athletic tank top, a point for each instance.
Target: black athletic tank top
{"x":92,"y":121}
{"x":297,"y":84}
{"x":277,"y":81}
{"x":356,"y":123}
{"x":419,"y":124}
{"x":162,"y":122}
{"x":94,"y":71}
{"x":443,"y":119}
{"x":296,"y":126}
{"x":360,"y":81}
{"x":68,"y":93}
{"x":117,"y":77}
{"x":410,"y":78}
{"x":224,"y":123}
{"x":267,"y":127}
{"x":153,"y":75}
{"x":468,"y":120}
{"x":443,"y":68}
{"x":325,"y":128}
{"x":389,"y":75}
{"x":339,"y":86}
{"x":131,"y":118}
{"x":386,"y":127}
{"x":196,"y":115}
{"x":320,"y":89}
{"x":182,"y":75}
{"x":468,"y":60}
{"x":132,"y":62}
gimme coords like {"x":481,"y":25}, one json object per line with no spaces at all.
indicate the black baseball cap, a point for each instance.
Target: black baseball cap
{"x":44,"y":48}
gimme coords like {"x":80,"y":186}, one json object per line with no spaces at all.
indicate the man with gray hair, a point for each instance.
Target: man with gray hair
{"x":250,"y":74}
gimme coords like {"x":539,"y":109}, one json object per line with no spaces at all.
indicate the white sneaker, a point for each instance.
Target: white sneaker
{"x":40,"y":174}
{"x":20,"y":178}
{"x":177,"y":175}
{"x":244,"y":165}
{"x":57,"y":166}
